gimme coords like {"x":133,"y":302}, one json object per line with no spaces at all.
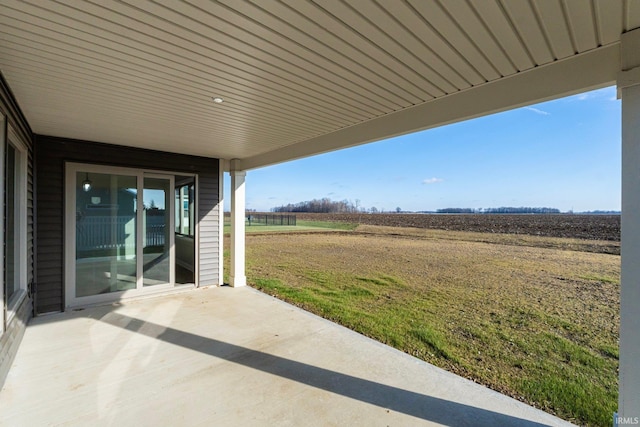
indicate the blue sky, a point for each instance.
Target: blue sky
{"x":563,"y":154}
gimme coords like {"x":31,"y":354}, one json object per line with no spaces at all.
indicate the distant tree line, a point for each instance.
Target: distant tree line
{"x":601,"y":212}
{"x":458,"y":210}
{"x":501,"y":210}
{"x":324,"y":205}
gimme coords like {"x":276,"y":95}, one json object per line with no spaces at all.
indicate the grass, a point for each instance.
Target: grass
{"x":301,"y":226}
{"x":536,"y":319}
{"x":571,"y":244}
{"x":327,"y":224}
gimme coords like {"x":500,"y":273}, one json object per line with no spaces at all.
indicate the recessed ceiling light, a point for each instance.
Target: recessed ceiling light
{"x":218,"y":100}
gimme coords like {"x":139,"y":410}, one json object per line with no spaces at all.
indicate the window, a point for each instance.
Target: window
{"x":2,"y":142}
{"x":185,"y":218}
{"x":15,"y":223}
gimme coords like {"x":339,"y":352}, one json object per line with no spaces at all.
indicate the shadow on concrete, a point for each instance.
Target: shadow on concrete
{"x":392,"y":398}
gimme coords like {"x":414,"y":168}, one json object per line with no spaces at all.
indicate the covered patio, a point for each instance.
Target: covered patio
{"x":233,"y":357}
{"x":144,"y":95}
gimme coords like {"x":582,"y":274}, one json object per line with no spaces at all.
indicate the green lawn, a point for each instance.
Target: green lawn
{"x":301,"y":226}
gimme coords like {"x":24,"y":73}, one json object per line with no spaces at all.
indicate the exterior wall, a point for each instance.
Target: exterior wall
{"x":209,"y":232}
{"x":14,"y":330}
{"x":51,"y":155}
{"x":11,"y":338}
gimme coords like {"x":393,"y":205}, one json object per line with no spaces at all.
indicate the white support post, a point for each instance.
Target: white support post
{"x":629,"y":91}
{"x":221,"y":168}
{"x":237,"y":274}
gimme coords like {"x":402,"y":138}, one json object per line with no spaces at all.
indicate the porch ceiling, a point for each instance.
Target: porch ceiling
{"x":298,"y":77}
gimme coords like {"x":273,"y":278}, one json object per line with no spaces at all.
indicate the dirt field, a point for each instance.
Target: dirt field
{"x":592,"y":227}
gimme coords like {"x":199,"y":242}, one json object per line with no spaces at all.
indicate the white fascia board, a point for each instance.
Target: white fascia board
{"x":587,"y":71}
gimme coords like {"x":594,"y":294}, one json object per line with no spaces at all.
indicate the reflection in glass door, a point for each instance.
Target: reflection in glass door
{"x":106,"y":227}
{"x":157,"y":264}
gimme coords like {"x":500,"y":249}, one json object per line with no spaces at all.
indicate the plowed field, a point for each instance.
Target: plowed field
{"x":591,"y":227}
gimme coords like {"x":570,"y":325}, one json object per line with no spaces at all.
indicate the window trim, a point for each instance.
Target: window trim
{"x":179,"y":204}
{"x":3,"y":138}
{"x":13,"y":303}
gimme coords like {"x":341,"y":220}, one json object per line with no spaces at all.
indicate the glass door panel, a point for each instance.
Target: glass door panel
{"x":157,"y":231}
{"x":106,"y":226}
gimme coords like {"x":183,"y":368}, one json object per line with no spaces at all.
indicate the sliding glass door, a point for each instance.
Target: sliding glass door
{"x":121,"y":239}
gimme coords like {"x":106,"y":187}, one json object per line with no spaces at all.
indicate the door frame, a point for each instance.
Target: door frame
{"x":70,"y":233}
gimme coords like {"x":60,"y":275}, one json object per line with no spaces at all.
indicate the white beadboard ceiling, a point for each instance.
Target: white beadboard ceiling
{"x":298,"y":77}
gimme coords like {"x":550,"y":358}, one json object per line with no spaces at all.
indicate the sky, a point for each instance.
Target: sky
{"x":563,"y":154}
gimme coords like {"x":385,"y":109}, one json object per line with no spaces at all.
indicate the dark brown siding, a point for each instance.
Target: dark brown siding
{"x":31,"y":211}
{"x":51,"y":155}
{"x":16,"y":119}
{"x":10,"y":339}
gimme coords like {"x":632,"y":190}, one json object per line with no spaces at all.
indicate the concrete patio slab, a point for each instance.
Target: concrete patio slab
{"x":231,"y":357}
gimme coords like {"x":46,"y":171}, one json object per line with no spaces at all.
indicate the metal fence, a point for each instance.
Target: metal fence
{"x":270,"y":219}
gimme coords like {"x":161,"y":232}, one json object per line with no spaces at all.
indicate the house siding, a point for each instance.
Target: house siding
{"x":208,"y":217}
{"x":14,"y":329}
{"x":12,"y":336}
{"x":51,"y":155}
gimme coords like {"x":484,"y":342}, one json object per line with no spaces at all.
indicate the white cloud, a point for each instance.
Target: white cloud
{"x":538,"y":111}
{"x":433,"y":180}
{"x":608,"y":93}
